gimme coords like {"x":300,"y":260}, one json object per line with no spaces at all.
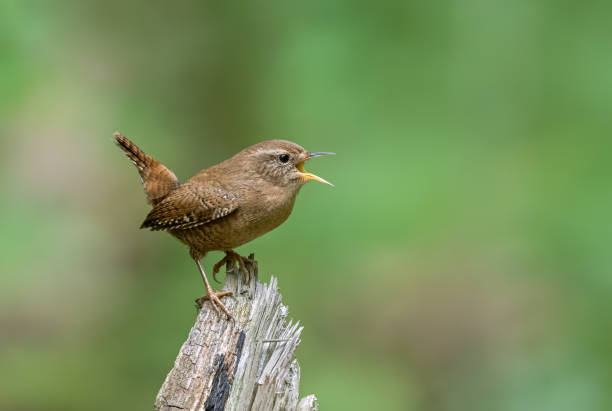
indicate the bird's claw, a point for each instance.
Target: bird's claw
{"x":232,"y":257}
{"x":214,"y":298}
{"x":217,"y":266}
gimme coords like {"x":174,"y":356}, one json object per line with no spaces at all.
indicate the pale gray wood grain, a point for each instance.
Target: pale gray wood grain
{"x":244,"y":365}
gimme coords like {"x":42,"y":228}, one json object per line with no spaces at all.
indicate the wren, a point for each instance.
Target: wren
{"x":226,"y":205}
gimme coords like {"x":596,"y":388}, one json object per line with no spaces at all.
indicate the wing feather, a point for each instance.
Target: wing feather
{"x":189,"y":207}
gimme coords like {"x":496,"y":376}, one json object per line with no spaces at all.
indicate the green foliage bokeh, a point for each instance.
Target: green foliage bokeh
{"x":460,"y":263}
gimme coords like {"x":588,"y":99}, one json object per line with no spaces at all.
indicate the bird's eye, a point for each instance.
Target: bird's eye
{"x":283,"y":158}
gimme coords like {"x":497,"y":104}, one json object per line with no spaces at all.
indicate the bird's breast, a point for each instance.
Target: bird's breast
{"x":257,"y":214}
{"x":271,"y":210}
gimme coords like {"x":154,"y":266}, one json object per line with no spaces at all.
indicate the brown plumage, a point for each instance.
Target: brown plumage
{"x":157,"y":180}
{"x":226,"y":205}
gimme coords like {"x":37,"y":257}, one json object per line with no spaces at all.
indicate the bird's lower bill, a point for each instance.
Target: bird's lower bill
{"x":309,"y":176}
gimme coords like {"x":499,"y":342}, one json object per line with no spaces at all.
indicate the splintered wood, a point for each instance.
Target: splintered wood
{"x":248,"y":364}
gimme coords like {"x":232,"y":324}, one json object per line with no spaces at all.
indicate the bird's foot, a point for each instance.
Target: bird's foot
{"x":214,"y":298}
{"x":232,"y":257}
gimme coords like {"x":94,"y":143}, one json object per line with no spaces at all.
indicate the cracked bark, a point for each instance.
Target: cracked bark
{"x":244,"y":365}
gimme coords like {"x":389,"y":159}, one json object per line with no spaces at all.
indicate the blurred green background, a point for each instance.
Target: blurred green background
{"x":461,"y":262}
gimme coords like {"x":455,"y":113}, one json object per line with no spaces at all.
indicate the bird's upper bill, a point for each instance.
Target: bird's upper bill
{"x":309,"y":176}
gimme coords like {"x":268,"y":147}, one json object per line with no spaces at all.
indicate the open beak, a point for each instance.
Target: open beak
{"x":309,"y":176}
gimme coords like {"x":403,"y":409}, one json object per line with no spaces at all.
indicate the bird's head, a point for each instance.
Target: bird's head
{"x":281,"y":162}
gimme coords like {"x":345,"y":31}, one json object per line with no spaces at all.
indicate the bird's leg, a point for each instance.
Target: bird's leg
{"x":231,"y":256}
{"x":212,"y":295}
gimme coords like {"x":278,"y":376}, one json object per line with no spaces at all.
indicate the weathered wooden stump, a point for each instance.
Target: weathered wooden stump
{"x":248,"y":364}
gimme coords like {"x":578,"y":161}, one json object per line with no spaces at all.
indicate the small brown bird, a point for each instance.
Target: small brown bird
{"x":226,"y":205}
